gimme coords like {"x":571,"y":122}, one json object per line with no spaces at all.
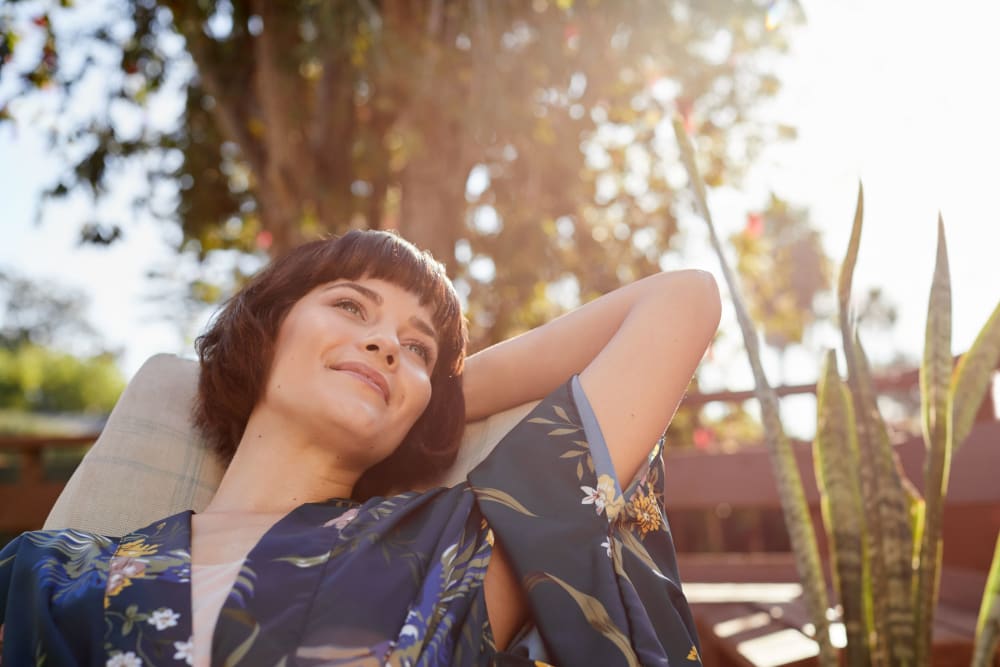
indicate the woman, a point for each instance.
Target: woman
{"x":334,"y":385}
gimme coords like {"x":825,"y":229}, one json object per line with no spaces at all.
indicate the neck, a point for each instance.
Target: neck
{"x":276,"y":469}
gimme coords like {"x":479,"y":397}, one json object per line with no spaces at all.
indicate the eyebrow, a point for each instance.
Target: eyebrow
{"x":418,"y":323}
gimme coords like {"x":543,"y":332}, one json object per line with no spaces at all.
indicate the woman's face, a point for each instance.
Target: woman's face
{"x":352,"y":367}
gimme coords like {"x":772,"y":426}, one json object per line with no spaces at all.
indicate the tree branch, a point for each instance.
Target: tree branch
{"x":232,"y":109}
{"x":290,"y":164}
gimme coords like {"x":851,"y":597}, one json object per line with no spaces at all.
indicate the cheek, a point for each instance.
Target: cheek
{"x":282,"y":370}
{"x":426,"y":398}
{"x":421,"y":395}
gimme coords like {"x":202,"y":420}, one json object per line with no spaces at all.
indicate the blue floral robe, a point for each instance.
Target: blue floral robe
{"x":393,"y":581}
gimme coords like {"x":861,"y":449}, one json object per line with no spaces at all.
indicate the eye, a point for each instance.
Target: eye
{"x":351,"y":306}
{"x":421,"y":350}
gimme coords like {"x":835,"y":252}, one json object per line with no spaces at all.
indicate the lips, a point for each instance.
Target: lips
{"x":366,"y":374}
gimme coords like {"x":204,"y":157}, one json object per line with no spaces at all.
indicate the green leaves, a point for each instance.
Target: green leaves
{"x":887,"y":509}
{"x":935,"y":381}
{"x":836,"y":461}
{"x":935,"y":371}
{"x":902,"y":599}
{"x":971,"y":379}
{"x":847,"y":268}
{"x":988,"y":623}
{"x":304,"y":119}
{"x":781,"y":262}
{"x":35,"y":379}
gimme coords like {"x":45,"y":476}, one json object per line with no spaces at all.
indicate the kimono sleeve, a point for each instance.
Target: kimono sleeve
{"x":597,"y":564}
{"x":7,"y":557}
{"x":50,"y":599}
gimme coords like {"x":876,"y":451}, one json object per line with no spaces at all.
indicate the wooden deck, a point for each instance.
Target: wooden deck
{"x":25,"y":503}
{"x":748,"y":606}
{"x":750,"y":612}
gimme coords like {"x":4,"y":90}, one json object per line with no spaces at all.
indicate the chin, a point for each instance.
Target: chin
{"x":368,"y":438}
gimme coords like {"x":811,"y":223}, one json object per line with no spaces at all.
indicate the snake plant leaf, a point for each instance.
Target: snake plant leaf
{"x":892,"y":508}
{"x":935,"y":382}
{"x":846,"y":277}
{"x":793,"y":502}
{"x":935,"y":370}
{"x":877,"y":596}
{"x":918,"y":515}
{"x":836,"y":461}
{"x":972,"y":379}
{"x":988,"y":625}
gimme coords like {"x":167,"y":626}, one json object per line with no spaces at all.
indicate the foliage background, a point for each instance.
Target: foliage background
{"x":863,"y":114}
{"x":522,"y":143}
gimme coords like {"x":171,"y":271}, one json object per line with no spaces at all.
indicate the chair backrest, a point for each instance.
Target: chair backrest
{"x":149,"y":462}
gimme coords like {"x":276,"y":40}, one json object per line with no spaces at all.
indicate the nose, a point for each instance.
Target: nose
{"x":385,"y":348}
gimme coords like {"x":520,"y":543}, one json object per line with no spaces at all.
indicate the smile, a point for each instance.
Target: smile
{"x":367,"y":375}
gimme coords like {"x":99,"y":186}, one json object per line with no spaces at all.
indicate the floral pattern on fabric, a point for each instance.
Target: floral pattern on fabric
{"x":602,"y":576}
{"x":597,"y":565}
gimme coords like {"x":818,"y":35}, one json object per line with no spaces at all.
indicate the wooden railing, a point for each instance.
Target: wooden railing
{"x":745,"y":593}
{"x":25,"y":503}
{"x":733,"y":594}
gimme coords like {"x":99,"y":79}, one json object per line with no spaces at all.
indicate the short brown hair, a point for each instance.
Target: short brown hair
{"x":237,"y":349}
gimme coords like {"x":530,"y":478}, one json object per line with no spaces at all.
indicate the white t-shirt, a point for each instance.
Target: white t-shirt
{"x":210,"y":584}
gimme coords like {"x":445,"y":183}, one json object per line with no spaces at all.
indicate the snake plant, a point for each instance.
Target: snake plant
{"x":885,"y":539}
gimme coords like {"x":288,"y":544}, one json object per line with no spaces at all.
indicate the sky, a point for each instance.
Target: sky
{"x":895,"y":94}
{"x":899,"y":95}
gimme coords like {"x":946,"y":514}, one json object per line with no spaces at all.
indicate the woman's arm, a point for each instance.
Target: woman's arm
{"x":635,"y":349}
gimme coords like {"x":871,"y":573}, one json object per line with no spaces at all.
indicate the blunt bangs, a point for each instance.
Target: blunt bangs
{"x":237,"y":349}
{"x":386,"y":256}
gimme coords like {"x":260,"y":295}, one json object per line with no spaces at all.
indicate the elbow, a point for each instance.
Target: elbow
{"x":695,"y":294}
{"x":708,"y":299}
{"x":703,"y":309}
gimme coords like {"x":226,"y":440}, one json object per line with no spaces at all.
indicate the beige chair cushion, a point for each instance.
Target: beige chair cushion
{"x":149,"y":462}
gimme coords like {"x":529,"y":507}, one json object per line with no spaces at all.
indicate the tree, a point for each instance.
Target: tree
{"x":46,"y":314}
{"x":34,"y":378}
{"x":41,"y":313}
{"x":523,"y":143}
{"x":783,"y":267}
{"x":38,"y":321}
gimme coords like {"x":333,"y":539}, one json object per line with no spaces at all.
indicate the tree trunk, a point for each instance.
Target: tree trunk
{"x":432,"y":210}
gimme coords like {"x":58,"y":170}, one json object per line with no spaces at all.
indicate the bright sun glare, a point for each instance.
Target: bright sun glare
{"x":895,"y":93}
